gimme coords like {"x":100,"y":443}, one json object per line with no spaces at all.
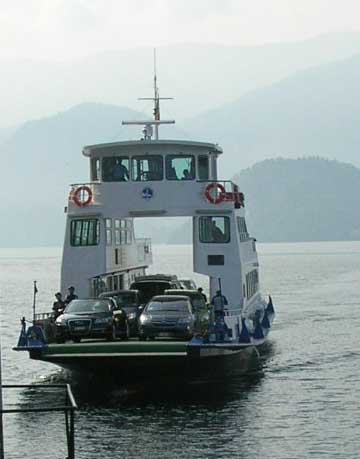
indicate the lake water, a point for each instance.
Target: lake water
{"x":301,"y":399}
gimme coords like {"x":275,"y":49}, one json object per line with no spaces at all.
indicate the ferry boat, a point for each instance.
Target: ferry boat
{"x":153,"y":177}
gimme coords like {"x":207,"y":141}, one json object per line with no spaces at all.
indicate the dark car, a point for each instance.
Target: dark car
{"x":128,"y":301}
{"x":198,"y":306}
{"x":91,"y":318}
{"x":167,"y":316}
{"x":154,"y":284}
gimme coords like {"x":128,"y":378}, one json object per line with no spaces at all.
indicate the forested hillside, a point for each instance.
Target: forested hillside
{"x":308,"y":199}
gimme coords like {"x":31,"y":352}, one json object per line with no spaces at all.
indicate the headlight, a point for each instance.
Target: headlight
{"x":145,"y":318}
{"x":60,"y":321}
{"x":132,"y":316}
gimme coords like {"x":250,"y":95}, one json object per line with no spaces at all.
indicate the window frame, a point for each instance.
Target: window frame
{"x":199,"y":158}
{"x":79,"y":226}
{"x":227,"y":228}
{"x":169,"y":167}
{"x":134,"y":167}
{"x":115,"y":158}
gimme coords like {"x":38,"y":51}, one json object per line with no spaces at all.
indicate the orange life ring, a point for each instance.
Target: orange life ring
{"x":79,"y":193}
{"x":220,"y":194}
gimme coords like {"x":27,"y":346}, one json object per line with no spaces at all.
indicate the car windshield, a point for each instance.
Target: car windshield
{"x":88,"y":306}
{"x":125,"y":299}
{"x":172,"y":306}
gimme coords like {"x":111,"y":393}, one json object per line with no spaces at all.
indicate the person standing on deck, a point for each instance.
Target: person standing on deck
{"x":219,"y":302}
{"x":71,"y":296}
{"x":200,"y":290}
{"x":58,"y":305}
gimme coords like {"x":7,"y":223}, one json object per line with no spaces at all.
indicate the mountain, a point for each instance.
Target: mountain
{"x":313,"y":112}
{"x":309,"y":199}
{"x":200,"y":77}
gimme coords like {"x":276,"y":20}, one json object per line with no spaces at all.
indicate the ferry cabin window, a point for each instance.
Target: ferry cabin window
{"x":117,"y":231}
{"x":147,"y":168}
{"x":115,"y":169}
{"x":108,"y":228}
{"x":84,"y":232}
{"x":203,"y":167}
{"x":214,"y":229}
{"x":180,"y":167}
{"x":252,"y":283}
{"x":95,"y":169}
{"x":243,"y":232}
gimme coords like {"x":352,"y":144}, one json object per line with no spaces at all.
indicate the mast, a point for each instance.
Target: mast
{"x":148,"y":131}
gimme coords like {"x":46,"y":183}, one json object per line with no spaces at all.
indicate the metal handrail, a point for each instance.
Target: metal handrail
{"x":68,"y":409}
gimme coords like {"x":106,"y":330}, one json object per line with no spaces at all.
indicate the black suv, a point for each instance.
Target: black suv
{"x":91,"y":318}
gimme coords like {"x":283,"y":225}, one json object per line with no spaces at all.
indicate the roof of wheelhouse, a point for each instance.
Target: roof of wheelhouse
{"x":102,"y":148}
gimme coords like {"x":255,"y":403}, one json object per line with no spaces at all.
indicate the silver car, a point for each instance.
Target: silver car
{"x":167,"y":316}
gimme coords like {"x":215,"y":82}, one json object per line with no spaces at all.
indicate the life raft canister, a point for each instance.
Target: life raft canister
{"x":215,"y":193}
{"x":82,"y":196}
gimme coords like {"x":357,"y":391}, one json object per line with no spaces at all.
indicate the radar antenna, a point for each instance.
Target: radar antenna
{"x":148,"y":130}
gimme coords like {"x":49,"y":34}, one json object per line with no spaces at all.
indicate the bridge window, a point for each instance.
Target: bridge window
{"x":95,"y":169}
{"x":203,"y":167}
{"x":115,"y":169}
{"x":214,"y":229}
{"x":180,"y":167}
{"x":147,"y":168}
{"x":84,"y":232}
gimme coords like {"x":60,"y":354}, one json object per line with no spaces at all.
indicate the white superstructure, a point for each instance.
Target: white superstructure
{"x":158,"y":178}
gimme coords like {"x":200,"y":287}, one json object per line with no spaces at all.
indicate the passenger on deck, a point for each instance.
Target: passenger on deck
{"x":120,"y":172}
{"x":58,"y":305}
{"x":219,"y":302}
{"x":71,"y":296}
{"x":200,"y":290}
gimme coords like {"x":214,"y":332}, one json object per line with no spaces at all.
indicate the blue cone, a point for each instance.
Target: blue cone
{"x":265,"y":322}
{"x":270,"y":306}
{"x":258,"y":332}
{"x":244,"y":335}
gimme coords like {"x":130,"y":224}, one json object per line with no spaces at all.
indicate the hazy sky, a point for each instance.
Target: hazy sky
{"x":67,"y":28}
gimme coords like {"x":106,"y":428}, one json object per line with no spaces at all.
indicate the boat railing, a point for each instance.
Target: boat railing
{"x":43,"y":315}
{"x":68,"y":407}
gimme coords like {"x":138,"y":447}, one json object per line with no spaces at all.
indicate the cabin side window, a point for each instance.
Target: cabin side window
{"x":243,"y":232}
{"x":115,"y":169}
{"x":214,"y":230}
{"x":117,"y":231}
{"x":180,"y":167}
{"x":95,"y":169}
{"x":84,"y":232}
{"x":147,"y":168}
{"x":108,"y":228}
{"x":122,"y":231}
{"x":203,"y":167}
{"x":252,"y":283}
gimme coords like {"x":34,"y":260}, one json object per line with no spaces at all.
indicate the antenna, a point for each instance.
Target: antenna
{"x":148,"y":131}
